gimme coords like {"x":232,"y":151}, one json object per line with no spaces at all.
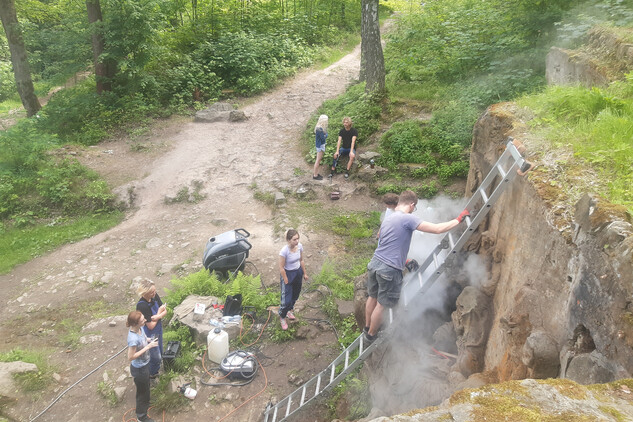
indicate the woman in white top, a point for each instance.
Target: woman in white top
{"x":293,"y":272}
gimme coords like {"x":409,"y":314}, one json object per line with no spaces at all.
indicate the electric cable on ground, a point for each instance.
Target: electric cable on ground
{"x":77,"y":382}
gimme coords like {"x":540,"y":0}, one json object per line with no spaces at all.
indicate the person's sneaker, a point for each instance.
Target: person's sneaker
{"x":317,"y":177}
{"x":284,"y":324}
{"x":365,"y":330}
{"x":145,"y":419}
{"x":290,"y":315}
{"x":369,"y":339}
{"x":346,"y":174}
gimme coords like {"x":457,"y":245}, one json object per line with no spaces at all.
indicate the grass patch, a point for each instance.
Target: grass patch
{"x":21,"y":245}
{"x":162,"y":399}
{"x":31,"y":381}
{"x":327,"y":55}
{"x":596,"y":125}
{"x":106,"y":391}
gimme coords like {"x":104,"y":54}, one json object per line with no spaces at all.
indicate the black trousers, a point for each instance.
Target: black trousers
{"x":141,"y":379}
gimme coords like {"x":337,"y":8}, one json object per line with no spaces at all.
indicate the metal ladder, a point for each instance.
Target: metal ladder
{"x":487,"y":194}
{"x":502,"y":173}
{"x":347,"y":361}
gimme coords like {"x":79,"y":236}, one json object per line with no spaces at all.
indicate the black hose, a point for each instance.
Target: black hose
{"x":80,"y":379}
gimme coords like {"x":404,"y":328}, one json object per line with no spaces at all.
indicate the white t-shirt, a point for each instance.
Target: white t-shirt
{"x":293,"y":259}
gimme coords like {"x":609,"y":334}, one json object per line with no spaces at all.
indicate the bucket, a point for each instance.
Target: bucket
{"x":217,"y":345}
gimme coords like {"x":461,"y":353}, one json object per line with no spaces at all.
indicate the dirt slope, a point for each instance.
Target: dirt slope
{"x":160,"y":241}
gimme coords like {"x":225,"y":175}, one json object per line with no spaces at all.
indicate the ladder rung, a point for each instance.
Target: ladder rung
{"x":288,"y":406}
{"x":316,"y":391}
{"x":451,"y":242}
{"x":346,"y":358}
{"x":468,"y":223}
{"x":332,"y":373}
{"x":484,"y":196}
{"x":501,"y":171}
{"x":275,"y":414}
{"x":435,"y":260}
{"x":303,"y":395}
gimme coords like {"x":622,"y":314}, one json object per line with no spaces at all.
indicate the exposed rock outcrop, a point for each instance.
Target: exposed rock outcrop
{"x":607,"y":57}
{"x":556,"y":300}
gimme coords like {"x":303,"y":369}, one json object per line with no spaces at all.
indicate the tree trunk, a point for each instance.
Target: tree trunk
{"x":104,"y":69}
{"x":19,"y":59}
{"x":372,"y":61}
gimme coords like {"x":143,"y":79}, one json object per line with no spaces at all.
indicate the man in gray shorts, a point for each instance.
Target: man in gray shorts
{"x":384,"y":280}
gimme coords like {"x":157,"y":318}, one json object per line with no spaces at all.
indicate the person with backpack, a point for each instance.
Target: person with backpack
{"x":293,"y":272}
{"x":153,"y":310}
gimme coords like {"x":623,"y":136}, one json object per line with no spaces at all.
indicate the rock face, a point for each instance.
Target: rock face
{"x":548,"y":280}
{"x":555,"y":300}
{"x":606,"y":58}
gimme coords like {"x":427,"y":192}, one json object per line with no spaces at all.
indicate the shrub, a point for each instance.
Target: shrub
{"x":402,"y":143}
{"x":451,"y":128}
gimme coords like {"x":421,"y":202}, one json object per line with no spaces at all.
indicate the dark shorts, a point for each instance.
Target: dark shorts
{"x":384,"y":283}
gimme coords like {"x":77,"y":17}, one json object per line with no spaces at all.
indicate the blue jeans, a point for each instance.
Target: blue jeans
{"x":290,"y":292}
{"x":341,"y":152}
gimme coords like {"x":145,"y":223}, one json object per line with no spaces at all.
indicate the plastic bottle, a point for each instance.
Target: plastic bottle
{"x":217,"y":345}
{"x":216,"y":323}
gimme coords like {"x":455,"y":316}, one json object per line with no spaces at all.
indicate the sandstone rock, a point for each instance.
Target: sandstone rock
{"x":214,"y":113}
{"x":471,"y":322}
{"x":590,"y":368}
{"x":237,"y":116}
{"x":8,"y":387}
{"x":540,"y":355}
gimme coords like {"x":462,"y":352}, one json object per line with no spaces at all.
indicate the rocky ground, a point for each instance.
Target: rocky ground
{"x":227,"y":163}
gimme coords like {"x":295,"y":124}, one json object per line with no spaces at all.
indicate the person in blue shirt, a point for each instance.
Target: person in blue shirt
{"x":384,"y":271}
{"x":138,"y":351}
{"x":320,"y":135}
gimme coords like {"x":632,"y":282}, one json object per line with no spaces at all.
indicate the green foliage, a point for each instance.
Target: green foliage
{"x":450,"y":129}
{"x":277,"y":335}
{"x":204,"y":284}
{"x":163,"y":400}
{"x":597,"y":124}
{"x":31,"y":381}
{"x":7,"y":81}
{"x":425,"y":191}
{"x":364,"y":111}
{"x":402,"y":143}
{"x":106,"y":390}
{"x":252,"y":63}
{"x":186,"y":358}
{"x":19,"y":245}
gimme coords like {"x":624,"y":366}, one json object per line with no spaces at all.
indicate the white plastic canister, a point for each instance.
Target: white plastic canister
{"x":217,"y":345}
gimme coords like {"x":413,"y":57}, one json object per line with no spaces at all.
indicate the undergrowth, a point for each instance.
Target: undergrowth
{"x":597,"y":124}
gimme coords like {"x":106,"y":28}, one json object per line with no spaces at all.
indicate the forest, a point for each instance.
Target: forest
{"x":136,"y":61}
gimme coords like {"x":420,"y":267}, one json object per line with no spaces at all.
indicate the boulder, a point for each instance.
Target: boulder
{"x":590,"y":368}
{"x":199,"y":324}
{"x":541,"y":355}
{"x":214,"y":113}
{"x":471,"y":321}
{"x":8,"y":387}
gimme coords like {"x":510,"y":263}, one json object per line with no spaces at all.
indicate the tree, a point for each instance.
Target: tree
{"x":19,"y":58}
{"x":372,"y":61}
{"x":104,"y":69}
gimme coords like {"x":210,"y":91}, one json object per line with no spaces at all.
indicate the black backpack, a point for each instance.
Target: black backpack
{"x":233,"y":305}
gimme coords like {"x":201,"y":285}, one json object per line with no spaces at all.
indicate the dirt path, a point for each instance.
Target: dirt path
{"x":161,"y":241}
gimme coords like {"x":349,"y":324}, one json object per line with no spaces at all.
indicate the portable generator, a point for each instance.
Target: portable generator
{"x":227,"y":252}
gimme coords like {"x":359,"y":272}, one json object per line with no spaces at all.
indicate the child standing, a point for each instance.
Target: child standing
{"x":293,"y":272}
{"x":320,"y":135}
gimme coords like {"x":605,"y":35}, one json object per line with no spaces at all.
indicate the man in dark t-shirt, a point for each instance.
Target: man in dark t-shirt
{"x":345,"y":145}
